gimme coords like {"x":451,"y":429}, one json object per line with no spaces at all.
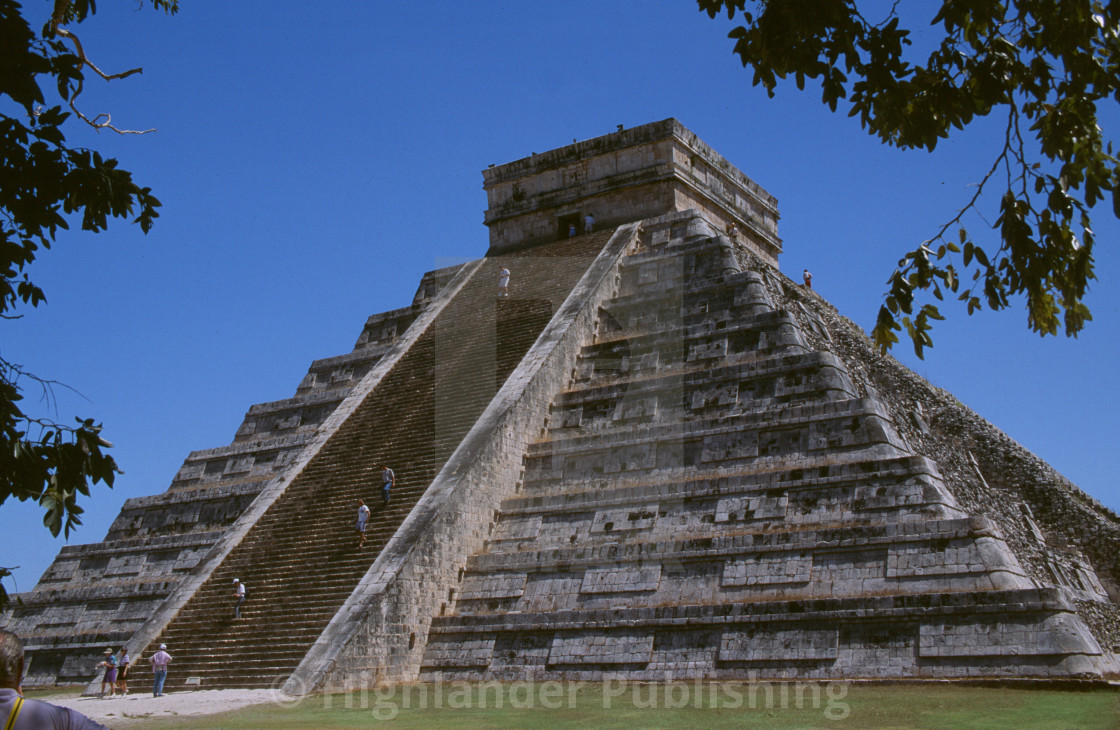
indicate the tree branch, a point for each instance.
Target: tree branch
{"x":11,"y":374}
{"x":1001,"y":158}
{"x":101,"y":121}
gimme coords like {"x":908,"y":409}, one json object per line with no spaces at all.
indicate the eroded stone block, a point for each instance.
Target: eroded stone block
{"x":768,"y":644}
{"x":762,"y":570}
{"x":621,"y":579}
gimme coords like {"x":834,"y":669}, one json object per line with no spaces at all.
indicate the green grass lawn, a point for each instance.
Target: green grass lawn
{"x":555,"y":706}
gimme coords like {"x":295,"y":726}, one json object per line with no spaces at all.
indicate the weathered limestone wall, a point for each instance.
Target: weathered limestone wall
{"x":719,"y":493}
{"x":380,"y":634}
{"x":610,"y":208}
{"x":627,"y":176}
{"x":1060,"y":535}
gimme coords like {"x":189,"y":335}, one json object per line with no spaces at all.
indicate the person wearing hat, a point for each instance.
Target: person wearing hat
{"x":18,"y":713}
{"x":159,"y":661}
{"x":110,"y":676}
{"x":503,"y":282}
{"x":239,"y":591}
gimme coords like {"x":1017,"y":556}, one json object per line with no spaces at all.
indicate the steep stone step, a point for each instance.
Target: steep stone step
{"x":684,"y":396}
{"x":300,"y":558}
{"x":821,"y":473}
{"x":923,"y":634}
{"x":782,"y":436}
{"x":705,"y":505}
{"x":736,"y":567}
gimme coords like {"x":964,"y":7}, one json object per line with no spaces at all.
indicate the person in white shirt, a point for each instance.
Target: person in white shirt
{"x":159,"y":661}
{"x":363,"y":517}
{"x":503,"y":282}
{"x":239,"y":591}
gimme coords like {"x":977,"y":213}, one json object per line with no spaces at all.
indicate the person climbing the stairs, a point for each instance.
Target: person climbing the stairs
{"x":363,"y":517}
{"x":388,"y":480}
{"x":239,"y":591}
{"x":503,"y":282}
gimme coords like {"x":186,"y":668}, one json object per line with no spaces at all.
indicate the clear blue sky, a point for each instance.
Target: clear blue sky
{"x":314,"y":159}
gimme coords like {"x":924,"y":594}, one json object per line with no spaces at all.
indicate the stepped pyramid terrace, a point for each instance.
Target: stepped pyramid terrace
{"x":657,"y":458}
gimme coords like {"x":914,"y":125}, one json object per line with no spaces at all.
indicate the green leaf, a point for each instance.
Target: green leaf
{"x":1047,"y":66}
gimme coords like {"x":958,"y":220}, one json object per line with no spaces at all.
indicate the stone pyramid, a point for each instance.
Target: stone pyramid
{"x":657,"y":458}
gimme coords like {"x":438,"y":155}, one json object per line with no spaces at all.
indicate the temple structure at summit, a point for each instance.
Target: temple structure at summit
{"x":656,"y":458}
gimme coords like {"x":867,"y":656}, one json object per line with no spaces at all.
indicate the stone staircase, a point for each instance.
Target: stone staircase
{"x":98,"y":594}
{"x":300,"y":561}
{"x":714,"y":498}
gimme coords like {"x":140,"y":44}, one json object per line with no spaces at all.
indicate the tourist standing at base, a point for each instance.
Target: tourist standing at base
{"x":239,"y":591}
{"x":16,"y":713}
{"x":588,"y":223}
{"x":159,"y":661}
{"x":110,"y":676}
{"x":122,"y":672}
{"x":388,"y":481}
{"x":363,"y":517}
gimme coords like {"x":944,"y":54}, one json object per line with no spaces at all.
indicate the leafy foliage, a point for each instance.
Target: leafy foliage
{"x":44,"y":186}
{"x":4,"y":598}
{"x":1045,"y":64}
{"x":55,"y":465}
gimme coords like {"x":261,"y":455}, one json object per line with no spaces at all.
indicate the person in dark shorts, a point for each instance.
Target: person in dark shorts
{"x":123,"y":663}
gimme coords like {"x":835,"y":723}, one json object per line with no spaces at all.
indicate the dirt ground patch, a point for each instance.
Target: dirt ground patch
{"x":116,"y":711}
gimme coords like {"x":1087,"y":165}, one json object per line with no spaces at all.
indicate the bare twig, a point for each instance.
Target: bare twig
{"x":101,"y":121}
{"x":1001,"y":158}
{"x":11,"y":373}
{"x":85,"y":60}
